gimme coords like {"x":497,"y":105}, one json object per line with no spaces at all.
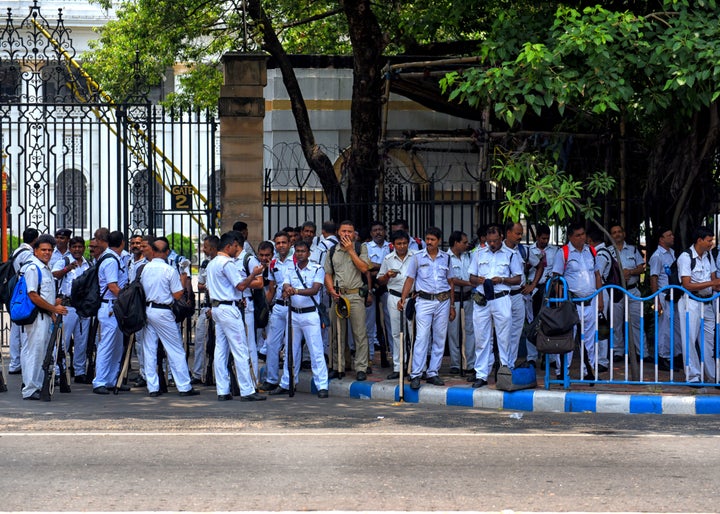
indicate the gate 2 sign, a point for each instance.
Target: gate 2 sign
{"x":181,"y":198}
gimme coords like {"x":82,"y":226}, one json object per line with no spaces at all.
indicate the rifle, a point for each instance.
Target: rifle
{"x":48,"y":366}
{"x":210,"y":352}
{"x":290,"y":357}
{"x":247,"y":342}
{"x":461,"y":329}
{"x":338,"y":337}
{"x":380,"y":326}
{"x":92,"y":347}
{"x":162,"y":377}
{"x":401,"y":358}
{"x":62,"y":362}
{"x":126,"y":365}
{"x":234,"y":386}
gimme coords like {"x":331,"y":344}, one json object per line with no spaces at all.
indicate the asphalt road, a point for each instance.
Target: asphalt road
{"x":132,"y":452}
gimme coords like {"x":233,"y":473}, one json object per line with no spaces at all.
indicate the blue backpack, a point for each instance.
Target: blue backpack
{"x":22,"y":309}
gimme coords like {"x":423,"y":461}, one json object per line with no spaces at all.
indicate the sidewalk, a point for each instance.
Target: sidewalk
{"x":601,"y":398}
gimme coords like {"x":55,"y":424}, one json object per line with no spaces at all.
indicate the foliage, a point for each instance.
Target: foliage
{"x":182,"y":245}
{"x":13,"y":243}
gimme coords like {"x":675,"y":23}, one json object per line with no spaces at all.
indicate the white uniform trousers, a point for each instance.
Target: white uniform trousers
{"x":497,"y":313}
{"x":468,"y":337}
{"x":37,"y":338}
{"x":618,"y":312}
{"x":531,"y":350}
{"x":668,"y":331}
{"x":76,"y":327}
{"x":307,"y":325}
{"x":18,"y":337}
{"x":697,"y":335}
{"x":431,"y":317}
{"x":109,"y":348}
{"x":201,"y":330}
{"x":516,"y":327}
{"x":250,"y":334}
{"x":230,"y":337}
{"x":139,"y":350}
{"x":276,"y":328}
{"x":396,"y":320}
{"x":161,"y":324}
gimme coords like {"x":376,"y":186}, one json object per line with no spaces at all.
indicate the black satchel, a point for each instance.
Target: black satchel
{"x":554,"y":324}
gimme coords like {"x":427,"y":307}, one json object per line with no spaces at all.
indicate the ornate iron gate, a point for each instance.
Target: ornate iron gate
{"x":75,"y":158}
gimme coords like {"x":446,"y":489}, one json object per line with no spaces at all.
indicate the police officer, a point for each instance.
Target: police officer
{"x":225,"y":285}
{"x":161,"y":283}
{"x":248,"y":264}
{"x":33,"y":351}
{"x":660,"y":263}
{"x":377,"y":249}
{"x":278,"y":269}
{"x":460,"y":262}
{"x":22,"y":254}
{"x":142,"y":254}
{"x":576,"y":262}
{"x":301,"y":286}
{"x":493,"y":270}
{"x":541,"y":255}
{"x":112,"y":277}
{"x":513,"y":236}
{"x":429,"y":271}
{"x":392,"y":274}
{"x":66,"y":271}
{"x":344,"y":267}
{"x":210,"y":249}
{"x":698,"y":274}
{"x":62,"y":250}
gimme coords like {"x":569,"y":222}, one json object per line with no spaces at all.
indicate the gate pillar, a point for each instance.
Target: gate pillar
{"x":242,"y":110}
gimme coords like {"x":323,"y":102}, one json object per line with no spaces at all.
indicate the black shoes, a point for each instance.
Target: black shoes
{"x":154,"y":394}
{"x":267,"y":386}
{"x":332,"y":374}
{"x":393,"y":376}
{"x":253,"y":398}
{"x":323,"y":393}
{"x":123,"y":388}
{"x":436,"y":381}
{"x":278,"y":391}
{"x":415,"y":383}
{"x":479,"y":383}
{"x":81,"y":379}
{"x":360,"y":376}
{"x":190,"y":392}
{"x":15,"y":372}
{"x":140,"y":382}
{"x":454,"y":371}
{"x":224,"y":397}
{"x":34,"y":396}
{"x":101,"y":390}
{"x":196,"y":381}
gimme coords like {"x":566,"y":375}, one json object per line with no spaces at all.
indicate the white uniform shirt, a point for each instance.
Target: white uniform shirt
{"x":660,"y":263}
{"x":431,"y":276}
{"x":110,"y":271}
{"x":488,"y":264}
{"x":579,"y":271}
{"x":57,"y":255}
{"x":24,"y":253}
{"x":160,"y":281}
{"x":376,"y":253}
{"x":520,"y":253}
{"x":245,"y":270}
{"x":277,"y":271}
{"x":393,"y":262}
{"x":311,"y":274}
{"x":702,"y":272}
{"x":222,"y":278}
{"x":47,"y":286}
{"x":461,"y":268}
{"x":630,"y":258}
{"x":320,"y":249}
{"x":65,"y":283}
{"x":134,"y":266}
{"x":535,"y":256}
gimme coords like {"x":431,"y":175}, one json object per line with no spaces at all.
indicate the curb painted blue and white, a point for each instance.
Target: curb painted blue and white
{"x":532,"y":400}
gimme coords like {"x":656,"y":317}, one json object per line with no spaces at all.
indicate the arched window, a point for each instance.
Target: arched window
{"x":71,"y":200}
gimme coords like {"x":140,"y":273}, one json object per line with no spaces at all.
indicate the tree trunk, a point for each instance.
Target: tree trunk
{"x":362,"y":165}
{"x":681,"y":190}
{"x":317,"y":160}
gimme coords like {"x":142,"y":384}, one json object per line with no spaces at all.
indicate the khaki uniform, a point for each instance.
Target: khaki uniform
{"x":346,"y":277}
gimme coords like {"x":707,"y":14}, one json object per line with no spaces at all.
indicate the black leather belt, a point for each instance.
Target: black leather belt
{"x":501,"y":294}
{"x":462,"y":297}
{"x":104,"y":300}
{"x":395,"y":293}
{"x":237,"y":303}
{"x":303,"y":310}
{"x":514,"y":292}
{"x":280,"y":302}
{"x":441,"y":297}
{"x":159,"y":305}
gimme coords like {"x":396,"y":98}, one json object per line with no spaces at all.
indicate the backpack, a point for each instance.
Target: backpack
{"x":617,"y":295}
{"x":85,"y":294}
{"x":8,"y":278}
{"x":129,"y":307}
{"x":614,"y":276}
{"x":22,"y":309}
{"x":674,"y":276}
{"x":261,"y":312}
